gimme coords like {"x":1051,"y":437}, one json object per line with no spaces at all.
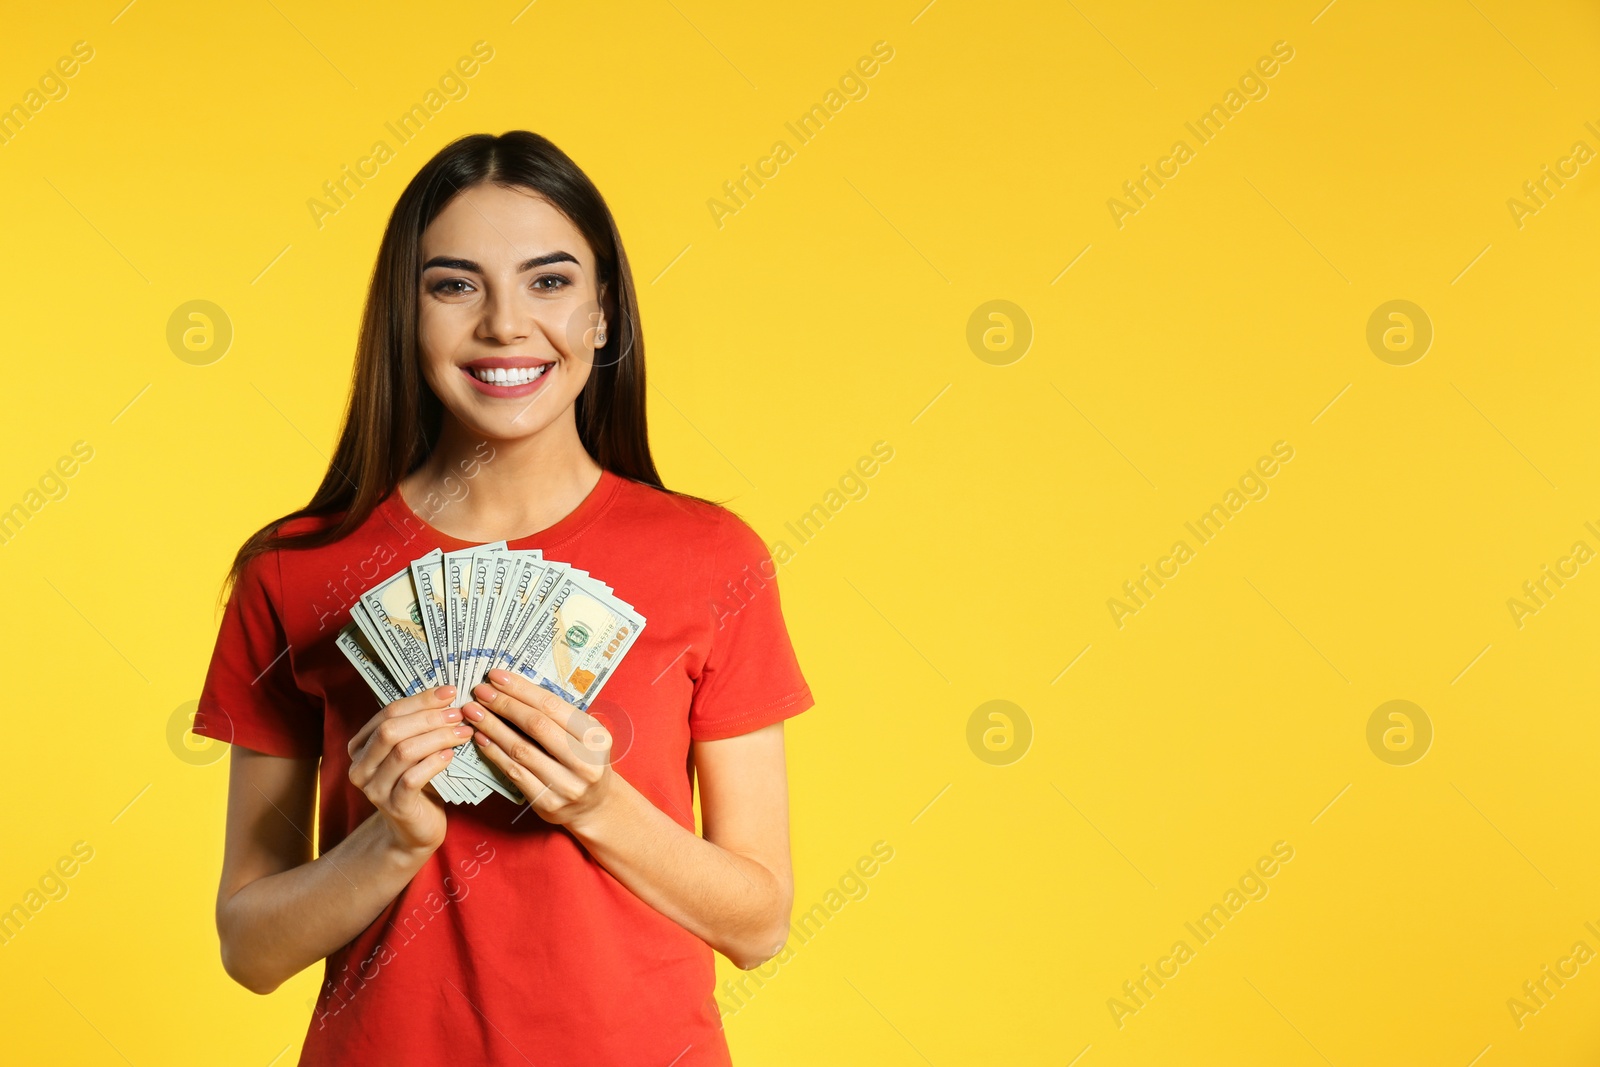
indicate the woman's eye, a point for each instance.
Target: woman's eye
{"x":455,"y":286}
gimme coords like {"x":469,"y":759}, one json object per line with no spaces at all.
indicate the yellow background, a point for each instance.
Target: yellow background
{"x":1229,"y":313}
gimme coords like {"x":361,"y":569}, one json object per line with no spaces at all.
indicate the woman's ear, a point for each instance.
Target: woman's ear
{"x":606,"y":318}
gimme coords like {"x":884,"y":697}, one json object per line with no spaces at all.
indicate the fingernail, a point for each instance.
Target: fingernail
{"x":485,"y":692}
{"x":481,"y":738}
{"x":473,"y":712}
{"x":499,"y":677}
{"x":445,"y":692}
{"x":452,"y":715}
{"x":463,"y":730}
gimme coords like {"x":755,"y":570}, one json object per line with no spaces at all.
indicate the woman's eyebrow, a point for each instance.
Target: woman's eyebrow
{"x":456,"y":263}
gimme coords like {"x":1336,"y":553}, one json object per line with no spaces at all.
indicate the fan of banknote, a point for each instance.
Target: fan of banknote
{"x":451,"y":617}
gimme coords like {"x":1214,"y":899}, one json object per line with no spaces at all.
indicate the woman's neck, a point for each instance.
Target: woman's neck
{"x":500,"y":490}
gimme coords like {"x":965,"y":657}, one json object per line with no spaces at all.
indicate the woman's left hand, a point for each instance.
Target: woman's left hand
{"x":567,"y":773}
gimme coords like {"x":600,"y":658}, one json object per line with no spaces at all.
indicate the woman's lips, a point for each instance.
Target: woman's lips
{"x":516,"y":371}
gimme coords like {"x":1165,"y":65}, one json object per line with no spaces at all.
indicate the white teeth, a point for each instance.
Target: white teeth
{"x":510,"y":376}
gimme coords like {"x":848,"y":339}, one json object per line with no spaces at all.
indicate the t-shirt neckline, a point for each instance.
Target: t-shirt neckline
{"x":576,"y":520}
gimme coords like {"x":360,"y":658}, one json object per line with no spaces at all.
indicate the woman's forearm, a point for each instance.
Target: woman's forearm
{"x":731,"y":902}
{"x":277,"y":925}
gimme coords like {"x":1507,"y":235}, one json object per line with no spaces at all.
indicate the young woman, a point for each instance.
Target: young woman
{"x":581,"y":933}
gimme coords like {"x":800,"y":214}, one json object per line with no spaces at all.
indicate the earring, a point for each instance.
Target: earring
{"x":600,"y":336}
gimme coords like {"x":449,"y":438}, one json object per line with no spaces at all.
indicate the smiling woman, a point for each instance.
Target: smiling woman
{"x":554,"y":293}
{"x":503,"y":322}
{"x":504,"y":376}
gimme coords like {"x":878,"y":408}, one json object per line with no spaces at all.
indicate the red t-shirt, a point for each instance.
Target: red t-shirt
{"x":511,"y":945}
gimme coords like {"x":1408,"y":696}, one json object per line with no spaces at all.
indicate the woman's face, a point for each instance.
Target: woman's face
{"x":507,"y":312}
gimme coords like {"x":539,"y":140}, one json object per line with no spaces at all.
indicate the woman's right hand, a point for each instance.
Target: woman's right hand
{"x":395,"y":755}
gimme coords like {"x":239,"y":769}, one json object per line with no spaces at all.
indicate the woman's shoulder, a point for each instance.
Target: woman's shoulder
{"x":294,"y":547}
{"x":300,"y":525}
{"x":265,"y":559}
{"x":312,"y":581}
{"x":685,"y":514}
{"x":714,"y":532}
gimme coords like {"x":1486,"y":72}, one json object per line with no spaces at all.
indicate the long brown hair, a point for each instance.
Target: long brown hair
{"x":392,"y":422}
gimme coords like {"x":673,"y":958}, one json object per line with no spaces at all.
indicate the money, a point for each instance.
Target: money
{"x":394,"y":619}
{"x":428,"y":575}
{"x":577,"y":640}
{"x":449,"y":618}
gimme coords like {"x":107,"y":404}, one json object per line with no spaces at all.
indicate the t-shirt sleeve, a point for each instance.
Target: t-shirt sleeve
{"x":249,"y":697}
{"x":751,"y":677}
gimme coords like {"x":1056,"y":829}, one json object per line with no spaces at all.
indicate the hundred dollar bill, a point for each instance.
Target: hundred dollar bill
{"x":468,"y":586}
{"x":459,"y":788}
{"x":581,"y":635}
{"x":472,"y":765}
{"x":530,"y":585}
{"x":393,"y":607}
{"x":513,"y":594}
{"x":399,"y":673}
{"x":459,"y":598}
{"x":510,"y":605}
{"x":400,"y":641}
{"x":428,"y":574}
{"x":465,"y":787}
{"x":457,"y":568}
{"x":450,"y":616}
{"x":496,"y":584}
{"x":479,"y":565}
{"x":359,"y":651}
{"x":528,"y":612}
